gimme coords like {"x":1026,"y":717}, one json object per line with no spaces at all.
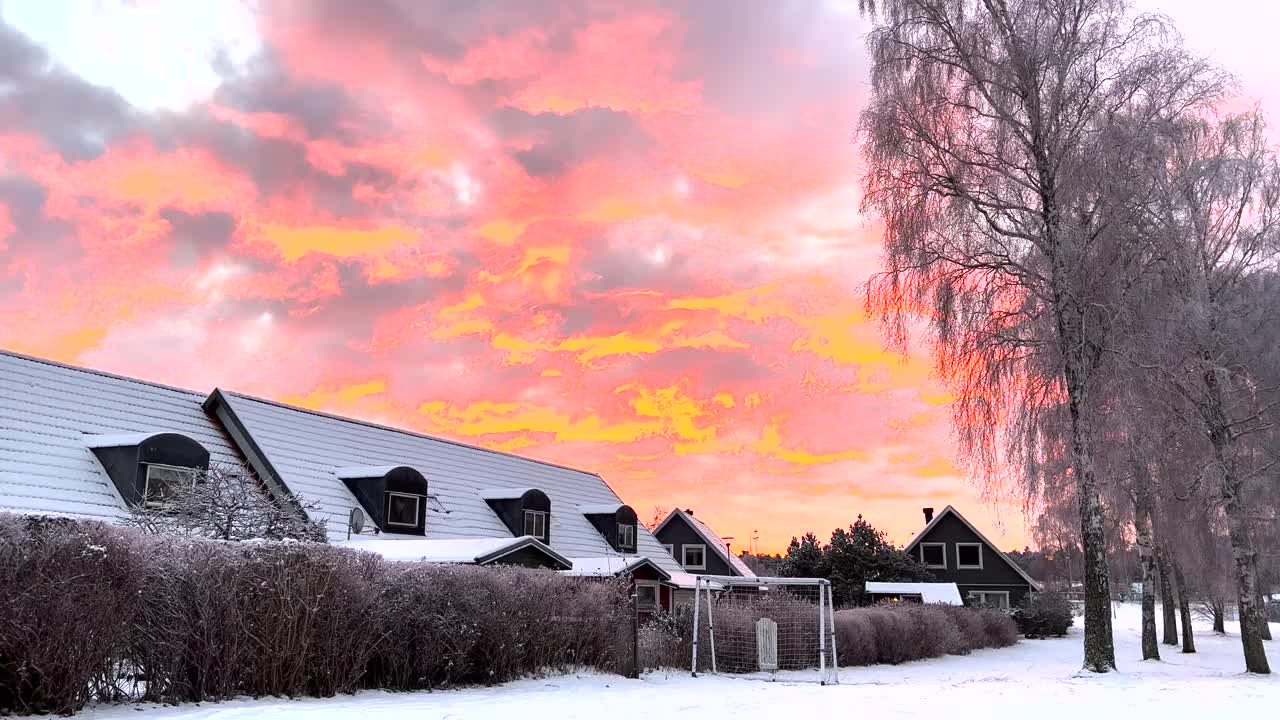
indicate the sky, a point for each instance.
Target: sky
{"x":620,"y":236}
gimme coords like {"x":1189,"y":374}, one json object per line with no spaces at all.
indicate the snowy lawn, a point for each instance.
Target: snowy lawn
{"x":1036,"y":678}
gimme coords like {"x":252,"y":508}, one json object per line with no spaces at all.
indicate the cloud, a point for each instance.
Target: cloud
{"x":619,"y":236}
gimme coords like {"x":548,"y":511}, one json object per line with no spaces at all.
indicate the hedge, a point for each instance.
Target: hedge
{"x":94,"y":612}
{"x":864,"y":636}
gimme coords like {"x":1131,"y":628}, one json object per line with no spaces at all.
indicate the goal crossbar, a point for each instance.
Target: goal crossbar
{"x":707,"y":585}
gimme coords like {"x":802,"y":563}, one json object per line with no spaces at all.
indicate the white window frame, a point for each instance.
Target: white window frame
{"x":671,"y":550}
{"x":962,"y":566}
{"x":540,"y":517}
{"x":942,"y":545}
{"x":189,"y":472}
{"x":979,"y":597}
{"x":622,"y":539}
{"x":684,"y":557}
{"x":657,"y":595}
{"x":417,"y":508}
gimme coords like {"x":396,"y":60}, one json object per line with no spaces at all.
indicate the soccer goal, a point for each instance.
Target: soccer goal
{"x":770,"y":628}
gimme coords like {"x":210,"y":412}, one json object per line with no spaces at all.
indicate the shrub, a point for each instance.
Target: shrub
{"x":1045,"y":614}
{"x":899,"y":633}
{"x":66,"y":607}
{"x":99,"y":612}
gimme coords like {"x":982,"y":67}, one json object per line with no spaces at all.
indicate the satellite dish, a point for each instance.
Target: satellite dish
{"x":355,"y":523}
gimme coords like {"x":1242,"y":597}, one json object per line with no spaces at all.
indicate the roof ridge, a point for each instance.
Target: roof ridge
{"x":412,"y":433}
{"x":99,"y":373}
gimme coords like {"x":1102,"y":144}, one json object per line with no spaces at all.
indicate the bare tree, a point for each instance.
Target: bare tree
{"x":1218,"y":211}
{"x":1005,"y":144}
{"x":228,"y":503}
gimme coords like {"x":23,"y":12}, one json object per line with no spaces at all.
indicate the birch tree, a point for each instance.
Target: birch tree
{"x":1004,"y":145}
{"x":1219,"y":215}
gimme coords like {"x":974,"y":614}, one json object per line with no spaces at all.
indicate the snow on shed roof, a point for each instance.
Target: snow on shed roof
{"x":945,"y":593}
{"x":306,"y":449}
{"x":48,"y":410}
{"x":712,"y":540}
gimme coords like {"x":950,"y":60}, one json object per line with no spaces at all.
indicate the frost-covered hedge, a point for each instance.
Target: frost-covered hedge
{"x":864,"y":636}
{"x":96,"y":612}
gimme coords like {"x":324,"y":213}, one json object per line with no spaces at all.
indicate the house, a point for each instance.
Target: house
{"x":955,"y":552}
{"x":90,"y":444}
{"x":698,"y":549}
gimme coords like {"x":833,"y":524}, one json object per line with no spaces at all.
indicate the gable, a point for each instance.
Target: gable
{"x":950,"y":528}
{"x":679,"y":528}
{"x":306,"y":449}
{"x":49,"y":410}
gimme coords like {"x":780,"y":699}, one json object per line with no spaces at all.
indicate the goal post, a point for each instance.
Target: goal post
{"x":765,"y":627}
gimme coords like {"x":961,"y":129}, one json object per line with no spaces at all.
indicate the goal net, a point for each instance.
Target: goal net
{"x":772,"y":628}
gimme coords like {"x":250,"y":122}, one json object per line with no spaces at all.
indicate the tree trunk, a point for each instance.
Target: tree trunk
{"x":1223,"y":439}
{"x":1099,"y":645}
{"x":1166,"y":600}
{"x":1260,"y":603}
{"x":1219,"y":617}
{"x":1147,"y":556}
{"x":1184,"y":608}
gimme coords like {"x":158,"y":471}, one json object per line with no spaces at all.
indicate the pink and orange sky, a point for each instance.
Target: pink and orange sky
{"x":622,"y":236}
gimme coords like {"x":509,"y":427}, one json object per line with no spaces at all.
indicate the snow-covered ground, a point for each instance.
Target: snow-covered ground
{"x":1037,"y":679}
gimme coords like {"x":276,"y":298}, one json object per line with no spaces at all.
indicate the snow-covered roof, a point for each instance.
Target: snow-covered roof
{"x":600,"y":508}
{"x":463,"y":550}
{"x":48,"y":411}
{"x":945,"y":593}
{"x":364,"y":471}
{"x":305,"y":450}
{"x":609,"y":566}
{"x":712,"y":540}
{"x":122,"y":439}
{"x":949,"y":510}
{"x":504,"y":493}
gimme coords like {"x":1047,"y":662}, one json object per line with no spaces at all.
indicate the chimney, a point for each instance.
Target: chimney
{"x":928,"y":515}
{"x":687,"y":511}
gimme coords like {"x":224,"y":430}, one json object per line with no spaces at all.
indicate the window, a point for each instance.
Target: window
{"x":990,"y":598}
{"x":647,"y":595}
{"x":402,"y":509}
{"x":164,"y":480}
{"x":671,"y":550}
{"x":627,"y":536}
{"x":934,"y":555}
{"x":535,"y":523}
{"x":695,"y":557}
{"x":969,"y":556}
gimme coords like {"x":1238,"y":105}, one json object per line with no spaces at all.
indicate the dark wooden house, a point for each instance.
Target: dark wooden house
{"x":698,"y":549}
{"x":954,"y":551}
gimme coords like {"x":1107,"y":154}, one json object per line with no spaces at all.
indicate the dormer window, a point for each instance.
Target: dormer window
{"x":627,"y":537}
{"x":162,"y":482}
{"x":393,"y":496}
{"x":616,"y":523}
{"x":148,"y":468}
{"x":524,"y":511}
{"x":402,"y":509}
{"x":535,"y":523}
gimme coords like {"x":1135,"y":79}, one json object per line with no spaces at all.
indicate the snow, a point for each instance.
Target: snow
{"x":946,"y":593}
{"x":361,"y":473}
{"x":123,"y":439}
{"x":600,"y":509}
{"x":466,"y":550}
{"x":504,"y":493}
{"x":1038,"y":679}
{"x":607,"y":566}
